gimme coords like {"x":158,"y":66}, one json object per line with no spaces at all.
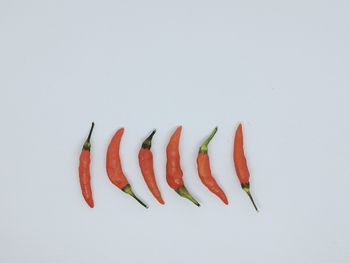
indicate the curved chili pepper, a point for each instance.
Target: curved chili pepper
{"x":114,"y":167}
{"x":146,"y":165}
{"x":84,"y":170}
{"x":174,"y":173}
{"x":241,"y":163}
{"x":204,"y":171}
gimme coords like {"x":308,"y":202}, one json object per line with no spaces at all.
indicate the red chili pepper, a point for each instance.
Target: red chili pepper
{"x":241,"y":163}
{"x":114,"y":167}
{"x":174,"y":173}
{"x":146,"y":165}
{"x":204,"y":171}
{"x":84,"y":170}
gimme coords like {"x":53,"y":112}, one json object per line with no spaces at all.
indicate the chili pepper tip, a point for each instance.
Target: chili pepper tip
{"x":91,"y":203}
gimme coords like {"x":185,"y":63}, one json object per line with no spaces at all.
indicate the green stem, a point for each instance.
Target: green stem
{"x":182,"y":191}
{"x":246,"y":188}
{"x":127,"y":189}
{"x":204,"y":147}
{"x":87,"y":144}
{"x":148,"y":142}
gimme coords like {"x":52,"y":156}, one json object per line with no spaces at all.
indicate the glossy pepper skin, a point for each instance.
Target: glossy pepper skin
{"x":241,"y":163}
{"x":146,"y":166}
{"x":114,"y":167}
{"x":204,"y":171}
{"x":84,"y":170}
{"x":174,"y":173}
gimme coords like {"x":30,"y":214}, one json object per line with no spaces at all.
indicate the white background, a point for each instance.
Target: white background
{"x":280,"y":67}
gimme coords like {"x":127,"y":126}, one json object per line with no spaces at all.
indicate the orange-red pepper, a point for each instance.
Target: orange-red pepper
{"x":204,"y":171}
{"x":84,"y":170}
{"x":146,"y":165}
{"x":241,"y":163}
{"x":174,"y":172}
{"x":114,"y":167}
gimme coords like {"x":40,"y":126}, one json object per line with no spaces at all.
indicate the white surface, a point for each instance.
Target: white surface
{"x":281,"y":68}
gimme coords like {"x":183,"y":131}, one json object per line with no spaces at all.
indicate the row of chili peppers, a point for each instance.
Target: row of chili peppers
{"x":174,"y":174}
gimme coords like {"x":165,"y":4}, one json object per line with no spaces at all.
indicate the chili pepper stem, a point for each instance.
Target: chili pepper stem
{"x":87,"y":144}
{"x":127,"y":189}
{"x":246,"y":188}
{"x":204,"y":147}
{"x":182,"y":191}
{"x":148,"y":142}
